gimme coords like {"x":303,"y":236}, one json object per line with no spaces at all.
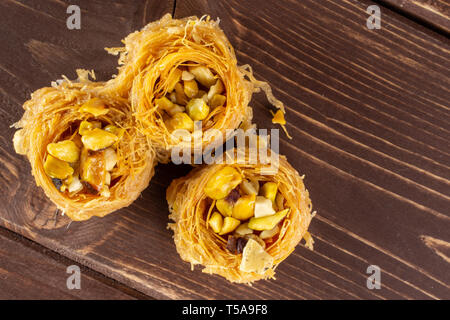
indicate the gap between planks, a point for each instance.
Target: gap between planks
{"x":423,"y":21}
{"x":37,"y":247}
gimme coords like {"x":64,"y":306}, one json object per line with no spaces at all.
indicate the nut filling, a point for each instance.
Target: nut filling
{"x":84,"y":159}
{"x":244,"y":210}
{"x":194,"y":93}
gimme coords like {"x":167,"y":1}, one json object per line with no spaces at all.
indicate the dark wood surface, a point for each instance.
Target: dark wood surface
{"x":370,"y":118}
{"x":435,"y":13}
{"x":29,"y":271}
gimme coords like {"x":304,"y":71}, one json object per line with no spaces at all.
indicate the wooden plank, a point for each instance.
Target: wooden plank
{"x":435,"y":13}
{"x":369,"y":115}
{"x":28,"y":272}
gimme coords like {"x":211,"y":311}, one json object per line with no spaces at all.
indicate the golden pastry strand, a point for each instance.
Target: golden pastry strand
{"x":180,"y":71}
{"x":236,"y":222}
{"x":84,"y":149}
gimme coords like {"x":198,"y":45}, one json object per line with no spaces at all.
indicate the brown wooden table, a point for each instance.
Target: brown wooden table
{"x":369,"y":113}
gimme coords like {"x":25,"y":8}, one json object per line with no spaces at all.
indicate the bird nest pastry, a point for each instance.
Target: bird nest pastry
{"x":84,"y":149}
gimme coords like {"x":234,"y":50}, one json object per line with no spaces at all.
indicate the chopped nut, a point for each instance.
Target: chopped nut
{"x":68,"y":180}
{"x":75,"y":185}
{"x":217,"y":88}
{"x":266,"y":234}
{"x":110,"y":158}
{"x":236,"y":244}
{"x":18,"y":142}
{"x":250,"y":187}
{"x":98,"y":139}
{"x":77,"y":140}
{"x":119,"y":132}
{"x":186,"y":76}
{"x":179,"y":94}
{"x":105,"y":192}
{"x":269,"y":190}
{"x":231,"y":244}
{"x":173,"y":97}
{"x":279,"y":201}
{"x":217,"y":100}
{"x":243,"y":229}
{"x":108,"y":179}
{"x":201,"y":94}
{"x":222,"y":182}
{"x":257,"y":239}
{"x":180,"y":121}
{"x":65,"y":150}
{"x":197,"y":109}
{"x":263,"y":207}
{"x":216,"y":222}
{"x":87,"y":126}
{"x":190,"y":88}
{"x":56,"y":168}
{"x":94,"y":106}
{"x":255,"y":259}
{"x":224,"y":207}
{"x":203,"y":75}
{"x":229,"y":224}
{"x":167,"y":105}
{"x":175,"y":109}
{"x":244,"y":207}
{"x":163,"y":103}
{"x":240,"y":245}
{"x":93,"y":169}
{"x":279,"y":118}
{"x":267,"y":222}
{"x":233,"y":196}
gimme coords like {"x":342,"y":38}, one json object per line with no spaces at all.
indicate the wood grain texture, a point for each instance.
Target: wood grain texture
{"x":27,"y":272}
{"x":370,"y":119}
{"x":435,"y":13}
